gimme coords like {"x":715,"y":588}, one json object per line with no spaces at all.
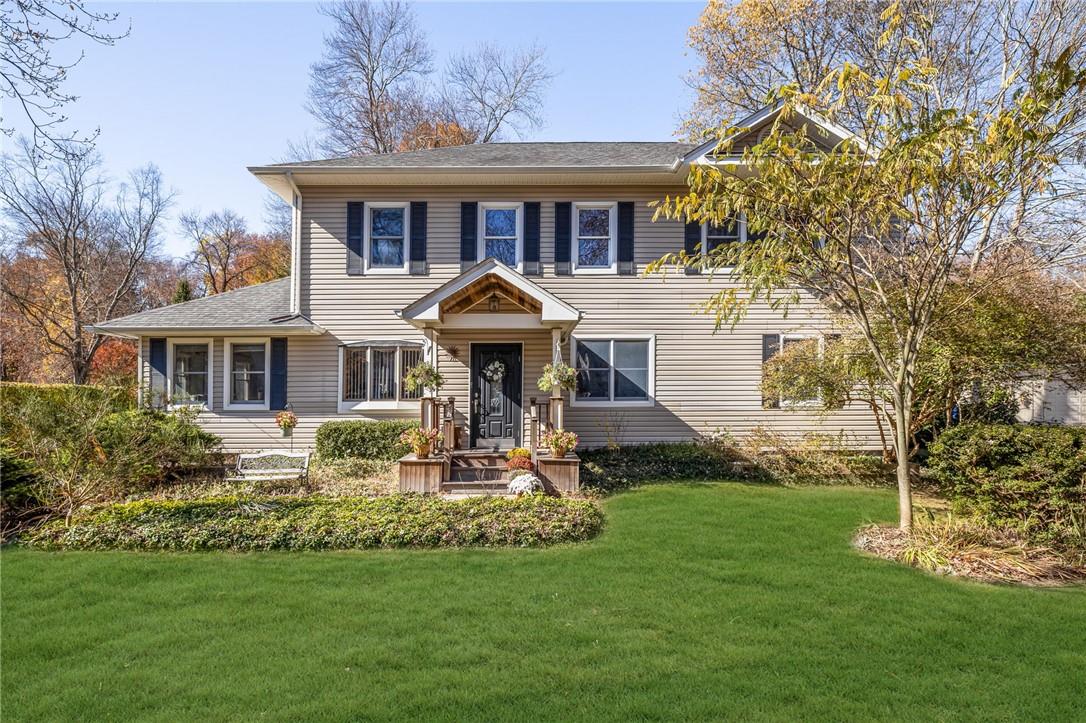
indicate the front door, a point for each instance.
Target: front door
{"x":495,"y":396}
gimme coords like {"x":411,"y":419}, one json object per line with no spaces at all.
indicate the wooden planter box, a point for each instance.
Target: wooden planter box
{"x":559,"y":474}
{"x":421,"y":475}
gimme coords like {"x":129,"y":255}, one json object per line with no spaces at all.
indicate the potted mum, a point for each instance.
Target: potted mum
{"x":559,"y":441}
{"x":525,"y":483}
{"x":286,"y":421}
{"x":420,"y":440}
{"x":557,"y":377}
{"x":423,"y":376}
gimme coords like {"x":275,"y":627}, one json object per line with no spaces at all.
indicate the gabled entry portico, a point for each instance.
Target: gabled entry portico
{"x":490,"y":331}
{"x":492,"y":319}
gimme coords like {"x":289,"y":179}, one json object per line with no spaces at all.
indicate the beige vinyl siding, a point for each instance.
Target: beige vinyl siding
{"x":704,"y":381}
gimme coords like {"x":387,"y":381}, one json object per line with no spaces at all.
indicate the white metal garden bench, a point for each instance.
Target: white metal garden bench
{"x":250,"y":468}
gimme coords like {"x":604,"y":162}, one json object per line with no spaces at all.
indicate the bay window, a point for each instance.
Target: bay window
{"x":615,"y":371}
{"x":372,"y":375}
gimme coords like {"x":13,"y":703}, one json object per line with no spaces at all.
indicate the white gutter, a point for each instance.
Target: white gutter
{"x":295,"y":246}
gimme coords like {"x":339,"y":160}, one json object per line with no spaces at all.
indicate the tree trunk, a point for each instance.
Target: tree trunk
{"x":902,"y":408}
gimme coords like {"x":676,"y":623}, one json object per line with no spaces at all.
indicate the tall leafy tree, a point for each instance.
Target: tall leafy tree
{"x":877,"y":226}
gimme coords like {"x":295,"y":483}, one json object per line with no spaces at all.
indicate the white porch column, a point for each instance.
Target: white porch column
{"x":557,"y":411}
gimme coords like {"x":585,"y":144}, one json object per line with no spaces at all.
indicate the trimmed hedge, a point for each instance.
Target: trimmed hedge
{"x":363,"y":439}
{"x":1026,"y":476}
{"x":608,"y":470}
{"x":316,"y":523}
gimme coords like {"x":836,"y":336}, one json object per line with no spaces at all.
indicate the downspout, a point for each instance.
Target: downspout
{"x":295,"y":245}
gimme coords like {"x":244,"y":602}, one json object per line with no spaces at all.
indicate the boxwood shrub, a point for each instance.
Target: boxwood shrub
{"x":316,"y":523}
{"x":1030,"y":477}
{"x":343,"y":439}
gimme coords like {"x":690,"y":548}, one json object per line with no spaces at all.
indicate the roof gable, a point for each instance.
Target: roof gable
{"x":751,"y":130}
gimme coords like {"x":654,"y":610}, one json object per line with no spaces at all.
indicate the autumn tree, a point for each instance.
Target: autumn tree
{"x":226,"y":255}
{"x":748,"y":48}
{"x":878,"y":226}
{"x":79,"y":252}
{"x":372,"y":93}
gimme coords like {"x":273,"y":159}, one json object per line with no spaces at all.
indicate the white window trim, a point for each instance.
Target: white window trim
{"x":385,"y":405}
{"x":228,"y":374}
{"x":801,"y":336}
{"x":610,"y":402}
{"x":742,"y":222}
{"x":481,"y":226}
{"x":612,"y":250}
{"x":170,"y":344}
{"x":366,"y":229}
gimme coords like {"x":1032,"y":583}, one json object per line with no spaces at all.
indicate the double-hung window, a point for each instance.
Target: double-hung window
{"x":614,"y":371}
{"x":246,"y":373}
{"x":372,"y":376}
{"x":595,"y":229}
{"x":387,"y":230}
{"x":716,"y":236}
{"x":189,"y":372}
{"x":799,"y":343}
{"x":502,"y":237}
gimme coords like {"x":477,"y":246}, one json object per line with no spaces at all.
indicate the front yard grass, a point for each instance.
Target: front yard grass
{"x":697,"y":602}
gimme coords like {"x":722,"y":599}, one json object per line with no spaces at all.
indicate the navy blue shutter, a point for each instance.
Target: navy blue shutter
{"x":771,"y":344}
{"x":157,"y":349}
{"x":531,"y":238}
{"x":563,"y":228}
{"x":277,"y":393}
{"x":626,"y":264}
{"x":354,"y":238}
{"x":691,"y":242}
{"x":418,"y":237}
{"x":469,"y":222}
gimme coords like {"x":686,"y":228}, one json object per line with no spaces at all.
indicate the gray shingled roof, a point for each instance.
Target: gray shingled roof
{"x":262,"y":305}
{"x":519,"y":155}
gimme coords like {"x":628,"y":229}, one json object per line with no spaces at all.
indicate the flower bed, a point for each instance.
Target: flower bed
{"x":317,"y":523}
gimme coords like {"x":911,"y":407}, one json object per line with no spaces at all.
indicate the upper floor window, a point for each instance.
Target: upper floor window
{"x":246,"y":373}
{"x":614,"y":371}
{"x":501,"y":238}
{"x":594,"y":225}
{"x":713,"y":236}
{"x":372,"y":376}
{"x":387,"y":230}
{"x":190,"y":372}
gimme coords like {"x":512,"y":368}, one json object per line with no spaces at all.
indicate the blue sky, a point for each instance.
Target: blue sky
{"x":205,"y":89}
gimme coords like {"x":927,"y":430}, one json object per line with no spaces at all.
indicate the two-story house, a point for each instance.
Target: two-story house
{"x":489,"y":261}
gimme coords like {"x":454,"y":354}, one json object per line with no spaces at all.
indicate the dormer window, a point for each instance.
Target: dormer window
{"x":502,"y":236}
{"x":387,"y":230}
{"x":594,"y":242}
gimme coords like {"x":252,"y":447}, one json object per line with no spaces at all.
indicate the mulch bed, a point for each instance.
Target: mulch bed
{"x":1002,"y":558}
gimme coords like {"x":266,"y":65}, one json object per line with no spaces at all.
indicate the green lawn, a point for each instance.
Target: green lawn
{"x":698,"y":602}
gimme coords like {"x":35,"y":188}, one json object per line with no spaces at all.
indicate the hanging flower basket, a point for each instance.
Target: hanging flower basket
{"x":286,"y":421}
{"x":494,"y":371}
{"x":558,"y":376}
